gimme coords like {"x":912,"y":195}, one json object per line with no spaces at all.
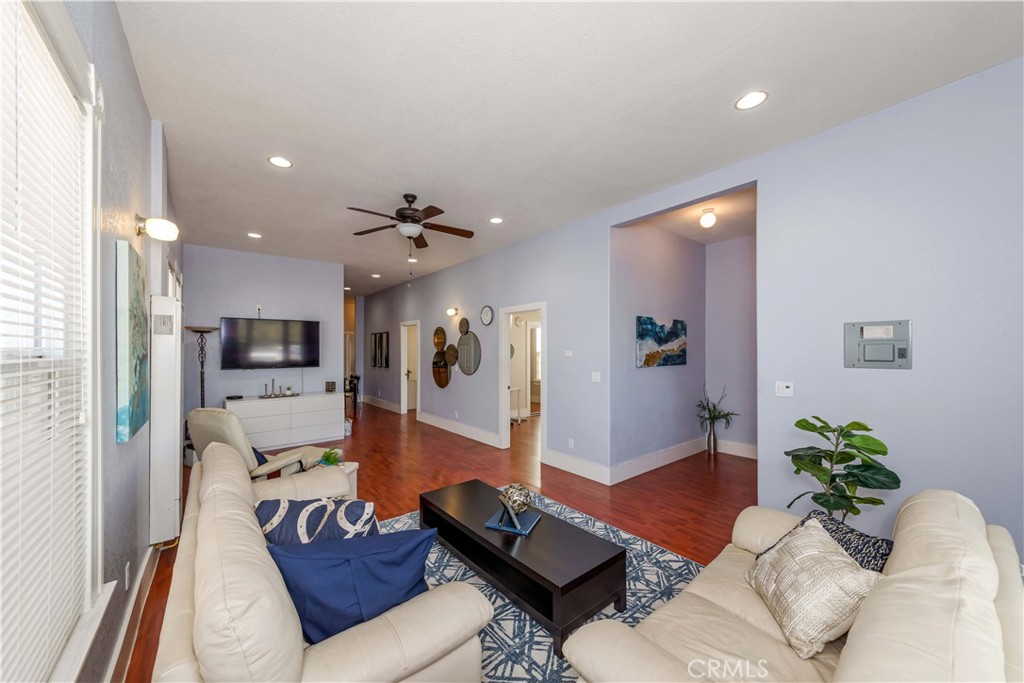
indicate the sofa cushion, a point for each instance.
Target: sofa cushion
{"x":335,"y":585}
{"x":714,"y":644}
{"x":246,"y":628}
{"x":811,"y":586}
{"x":285,"y":522}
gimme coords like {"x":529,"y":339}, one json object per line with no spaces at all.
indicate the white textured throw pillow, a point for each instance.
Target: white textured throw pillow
{"x":811,"y":586}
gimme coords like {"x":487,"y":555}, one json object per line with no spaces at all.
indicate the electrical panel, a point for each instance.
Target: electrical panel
{"x":884,"y":344}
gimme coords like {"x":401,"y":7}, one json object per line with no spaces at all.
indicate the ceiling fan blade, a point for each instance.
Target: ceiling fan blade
{"x":420,"y":241}
{"x":367,"y":232}
{"x":375,"y":213}
{"x":426,"y":213}
{"x":459,"y":232}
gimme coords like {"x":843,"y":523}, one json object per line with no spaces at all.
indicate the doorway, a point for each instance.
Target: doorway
{"x":521,"y":365}
{"x":409,"y":349}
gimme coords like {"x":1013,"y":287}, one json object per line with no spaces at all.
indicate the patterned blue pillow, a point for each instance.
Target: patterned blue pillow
{"x":870,"y":552}
{"x":286,"y":522}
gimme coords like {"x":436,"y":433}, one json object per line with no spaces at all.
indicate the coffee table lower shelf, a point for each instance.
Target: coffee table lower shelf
{"x":559,"y":609}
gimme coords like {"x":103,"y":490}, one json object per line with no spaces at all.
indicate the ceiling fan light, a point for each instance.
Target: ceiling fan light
{"x":412,"y":230}
{"x":708,"y":218}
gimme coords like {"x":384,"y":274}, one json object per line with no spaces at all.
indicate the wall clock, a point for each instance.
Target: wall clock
{"x":486,"y":315}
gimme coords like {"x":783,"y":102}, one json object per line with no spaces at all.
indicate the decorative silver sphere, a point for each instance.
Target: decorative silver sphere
{"x":518,"y":497}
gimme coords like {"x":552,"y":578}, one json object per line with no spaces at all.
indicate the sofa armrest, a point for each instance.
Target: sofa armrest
{"x":403,"y":640}
{"x":277,"y":462}
{"x":759,"y":528}
{"x":323,"y":482}
{"x":609,"y":650}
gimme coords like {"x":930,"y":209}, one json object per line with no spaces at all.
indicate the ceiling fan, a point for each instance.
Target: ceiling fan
{"x":410,"y":222}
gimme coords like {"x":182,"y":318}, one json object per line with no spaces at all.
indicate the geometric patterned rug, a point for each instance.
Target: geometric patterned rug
{"x":516,"y":649}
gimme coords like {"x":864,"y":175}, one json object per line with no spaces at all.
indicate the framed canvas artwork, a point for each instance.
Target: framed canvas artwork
{"x":660,"y":342}
{"x":132,"y":342}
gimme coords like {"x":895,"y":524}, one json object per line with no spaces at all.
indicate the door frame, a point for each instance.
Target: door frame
{"x":532,"y":325}
{"x":404,"y":351}
{"x":504,"y":373}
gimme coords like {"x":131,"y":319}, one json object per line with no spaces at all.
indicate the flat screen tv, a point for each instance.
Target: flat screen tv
{"x":251,"y":343}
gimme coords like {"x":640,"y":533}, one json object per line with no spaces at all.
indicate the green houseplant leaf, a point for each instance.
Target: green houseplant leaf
{"x":845,"y":467}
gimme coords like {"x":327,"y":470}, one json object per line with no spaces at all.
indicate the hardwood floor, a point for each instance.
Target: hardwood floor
{"x":688,"y":506}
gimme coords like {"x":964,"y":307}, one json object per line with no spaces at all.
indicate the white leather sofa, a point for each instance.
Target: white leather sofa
{"x":229,"y":616}
{"x":948,"y":609}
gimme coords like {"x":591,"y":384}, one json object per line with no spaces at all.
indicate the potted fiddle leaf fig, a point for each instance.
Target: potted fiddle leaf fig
{"x":846,"y":466}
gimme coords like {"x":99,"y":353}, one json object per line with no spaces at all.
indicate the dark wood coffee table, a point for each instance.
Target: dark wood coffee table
{"x":560,"y":574}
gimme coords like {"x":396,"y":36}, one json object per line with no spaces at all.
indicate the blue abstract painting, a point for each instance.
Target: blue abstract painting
{"x":132,"y":343}
{"x":660,"y":342}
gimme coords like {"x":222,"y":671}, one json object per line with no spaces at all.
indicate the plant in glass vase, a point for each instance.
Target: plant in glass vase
{"x":710,"y":413}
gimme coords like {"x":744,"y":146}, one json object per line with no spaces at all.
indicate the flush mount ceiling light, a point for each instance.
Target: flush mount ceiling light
{"x":280,"y":162}
{"x":708,"y":218}
{"x":255,"y":235}
{"x":751,"y":100}
{"x":376,"y":275}
{"x":157,"y":228}
{"x":452,"y":311}
{"x":497,"y":220}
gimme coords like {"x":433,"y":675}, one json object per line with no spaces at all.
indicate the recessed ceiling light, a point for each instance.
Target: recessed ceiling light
{"x":497,"y":220}
{"x":412,"y":260}
{"x":255,"y":235}
{"x":348,"y":289}
{"x":280,"y":162}
{"x":751,"y":100}
{"x":375,"y":275}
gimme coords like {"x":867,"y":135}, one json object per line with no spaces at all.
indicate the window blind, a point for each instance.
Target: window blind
{"x":44,"y":354}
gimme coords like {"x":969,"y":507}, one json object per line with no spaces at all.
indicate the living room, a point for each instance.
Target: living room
{"x":898,"y":200}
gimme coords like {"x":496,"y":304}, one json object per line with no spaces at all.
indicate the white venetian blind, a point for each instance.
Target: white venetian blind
{"x":43,"y":353}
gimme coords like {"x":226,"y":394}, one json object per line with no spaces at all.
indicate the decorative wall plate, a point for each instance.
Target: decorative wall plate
{"x":486,"y":315}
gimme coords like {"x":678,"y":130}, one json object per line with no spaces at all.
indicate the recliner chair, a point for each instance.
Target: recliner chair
{"x":209,"y":425}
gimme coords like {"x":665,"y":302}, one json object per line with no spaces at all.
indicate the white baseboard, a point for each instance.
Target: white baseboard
{"x":576,"y":465}
{"x":474,"y":433}
{"x":744,"y":450}
{"x":652,"y":461}
{"x":381,"y":403}
{"x":118,"y":668}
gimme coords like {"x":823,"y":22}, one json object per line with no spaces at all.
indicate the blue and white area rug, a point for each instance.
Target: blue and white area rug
{"x":516,"y":648}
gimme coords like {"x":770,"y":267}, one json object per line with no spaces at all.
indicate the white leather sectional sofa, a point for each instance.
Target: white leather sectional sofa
{"x":229,"y":616}
{"x":948,"y":609}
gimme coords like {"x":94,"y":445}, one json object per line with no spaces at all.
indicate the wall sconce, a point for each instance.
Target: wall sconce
{"x":157,"y":228}
{"x":452,"y":311}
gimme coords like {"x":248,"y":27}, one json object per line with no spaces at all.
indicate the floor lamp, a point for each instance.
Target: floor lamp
{"x":202,"y":331}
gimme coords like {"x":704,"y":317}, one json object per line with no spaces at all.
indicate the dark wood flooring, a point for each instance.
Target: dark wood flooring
{"x":688,"y":506}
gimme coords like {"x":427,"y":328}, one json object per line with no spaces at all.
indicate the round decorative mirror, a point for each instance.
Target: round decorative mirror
{"x":440,"y":338}
{"x":469,"y":353}
{"x":451,"y":355}
{"x":464,"y":326}
{"x":442,"y":374}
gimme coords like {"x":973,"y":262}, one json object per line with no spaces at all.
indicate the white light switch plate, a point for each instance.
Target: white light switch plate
{"x":784,"y":389}
{"x":595,"y":377}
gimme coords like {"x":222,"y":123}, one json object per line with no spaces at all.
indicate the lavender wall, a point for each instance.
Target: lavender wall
{"x":732,"y":333}
{"x":224,"y":282}
{"x":567,"y":268}
{"x":660,"y":274}
{"x":912,"y":212}
{"x":125,"y":192}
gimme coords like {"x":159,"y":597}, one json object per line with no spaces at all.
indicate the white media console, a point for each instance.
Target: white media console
{"x":291,"y":420}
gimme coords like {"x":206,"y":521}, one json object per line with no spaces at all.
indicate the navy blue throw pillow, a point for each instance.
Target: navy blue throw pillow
{"x":338,"y":584}
{"x":870,"y":552}
{"x":260,"y":458}
{"x":321,"y":519}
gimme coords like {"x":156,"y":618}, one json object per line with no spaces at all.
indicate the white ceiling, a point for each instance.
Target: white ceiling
{"x":541,"y":113}
{"x":735,"y":213}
